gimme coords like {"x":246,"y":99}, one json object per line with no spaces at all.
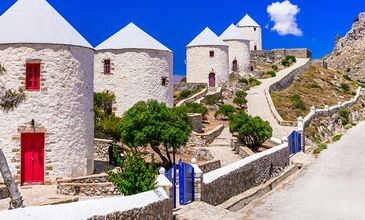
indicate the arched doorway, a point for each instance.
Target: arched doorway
{"x":234,"y":66}
{"x":211,"y":79}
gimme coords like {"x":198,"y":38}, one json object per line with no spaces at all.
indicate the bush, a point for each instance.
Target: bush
{"x":224,"y":111}
{"x":243,"y":80}
{"x":345,"y":87}
{"x":241,"y":94}
{"x":241,"y":102}
{"x":185,"y":93}
{"x":348,"y":126}
{"x":298,"y":102}
{"x":212,"y":99}
{"x":274,"y":67}
{"x":135,"y":176}
{"x":347,"y":77}
{"x":320,"y":147}
{"x":253,"y":82}
{"x":252,"y":131}
{"x":336,"y":138}
{"x":344,"y":115}
{"x":288,"y":60}
{"x":193,"y":107}
{"x":106,"y":124}
{"x":272,"y":73}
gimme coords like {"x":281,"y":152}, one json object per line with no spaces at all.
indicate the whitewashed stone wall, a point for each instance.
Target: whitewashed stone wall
{"x":240,"y":51}
{"x":63,"y":108}
{"x":136,"y":75}
{"x":254,"y":36}
{"x":200,"y":64}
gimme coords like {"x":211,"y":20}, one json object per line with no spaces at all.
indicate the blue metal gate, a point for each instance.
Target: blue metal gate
{"x":171,"y":175}
{"x":186,"y":183}
{"x":295,"y":142}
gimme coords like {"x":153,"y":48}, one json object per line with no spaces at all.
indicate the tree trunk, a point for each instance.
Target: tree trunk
{"x":16,"y":199}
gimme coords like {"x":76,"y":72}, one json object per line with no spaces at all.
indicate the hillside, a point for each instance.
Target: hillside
{"x":349,"y":52}
{"x":315,"y":87}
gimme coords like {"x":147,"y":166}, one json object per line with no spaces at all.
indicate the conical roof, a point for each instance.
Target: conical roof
{"x":207,"y":38}
{"x":132,"y":37}
{"x":36,"y":21}
{"x":247,"y":21}
{"x":233,"y":33}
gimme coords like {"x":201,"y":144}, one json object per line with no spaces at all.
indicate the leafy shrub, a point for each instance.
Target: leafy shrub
{"x":224,"y":111}
{"x":241,"y":102}
{"x":185,"y":93}
{"x":252,"y":131}
{"x":345,"y":87}
{"x":315,"y":85}
{"x":135,"y":176}
{"x":272,"y":73}
{"x":243,"y":80}
{"x":212,"y":99}
{"x":288,"y":60}
{"x":253,"y":82}
{"x":347,"y":77}
{"x":193,"y":107}
{"x":274,"y":67}
{"x":348,"y":126}
{"x":241,"y":94}
{"x":106,"y":124}
{"x":344,"y":115}
{"x":320,"y":147}
{"x":336,"y":138}
{"x":298,"y":102}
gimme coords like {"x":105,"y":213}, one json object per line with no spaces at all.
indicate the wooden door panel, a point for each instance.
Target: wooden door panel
{"x":27,"y":155}
{"x":32,"y":152}
{"x":38,"y":156}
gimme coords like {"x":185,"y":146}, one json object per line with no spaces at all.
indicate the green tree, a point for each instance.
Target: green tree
{"x":224,"y":111}
{"x":154,"y":124}
{"x":193,"y":107}
{"x":252,"y":131}
{"x":134,"y":175}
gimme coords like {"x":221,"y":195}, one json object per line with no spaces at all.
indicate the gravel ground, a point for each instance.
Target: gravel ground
{"x":332,"y":187}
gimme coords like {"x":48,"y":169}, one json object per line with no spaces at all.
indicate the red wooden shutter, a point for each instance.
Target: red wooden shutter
{"x":106,"y":67}
{"x":33,"y":76}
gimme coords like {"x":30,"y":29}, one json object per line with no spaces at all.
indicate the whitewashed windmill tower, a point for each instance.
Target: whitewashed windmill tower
{"x":252,"y":30}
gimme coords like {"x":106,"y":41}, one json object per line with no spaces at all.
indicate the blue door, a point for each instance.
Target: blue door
{"x":171,"y":175}
{"x":186,"y":183}
{"x":295,"y":142}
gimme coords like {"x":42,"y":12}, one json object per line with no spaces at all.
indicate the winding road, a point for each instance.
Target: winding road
{"x":332,"y":187}
{"x":258,"y":105}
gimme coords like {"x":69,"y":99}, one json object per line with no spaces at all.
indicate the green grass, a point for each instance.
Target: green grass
{"x":348,"y":126}
{"x":336,"y":138}
{"x":320,"y":148}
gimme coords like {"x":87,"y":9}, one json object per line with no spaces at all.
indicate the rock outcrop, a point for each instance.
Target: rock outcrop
{"x":349,"y":52}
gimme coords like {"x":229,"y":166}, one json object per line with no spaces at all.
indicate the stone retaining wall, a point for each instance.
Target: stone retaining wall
{"x":289,"y":79}
{"x":197,"y":122}
{"x":188,"y":86}
{"x":150,"y":205}
{"x":204,"y":139}
{"x":316,"y":113}
{"x":210,"y":166}
{"x":302,"y":53}
{"x":193,"y":98}
{"x":87,"y":189}
{"x":231,"y":180}
{"x":101,"y":149}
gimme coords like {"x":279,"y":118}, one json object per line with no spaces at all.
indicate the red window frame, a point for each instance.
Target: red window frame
{"x":106,"y":67}
{"x":33,"y":77}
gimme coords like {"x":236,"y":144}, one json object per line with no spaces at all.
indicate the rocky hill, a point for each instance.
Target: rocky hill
{"x":349,"y":52}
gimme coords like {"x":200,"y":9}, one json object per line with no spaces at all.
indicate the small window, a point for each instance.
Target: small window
{"x":254,"y":29}
{"x":33,"y":77}
{"x":211,"y":53}
{"x":255,"y":47}
{"x":164,"y":81}
{"x":106,"y":67}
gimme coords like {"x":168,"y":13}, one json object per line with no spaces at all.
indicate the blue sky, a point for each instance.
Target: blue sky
{"x":176,"y":22}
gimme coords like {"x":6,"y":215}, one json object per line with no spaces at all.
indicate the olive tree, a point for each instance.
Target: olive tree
{"x":155,"y":125}
{"x":252,"y":131}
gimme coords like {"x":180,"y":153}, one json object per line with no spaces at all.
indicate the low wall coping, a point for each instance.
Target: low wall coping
{"x":103,"y":140}
{"x":215,"y":174}
{"x":193,"y":98}
{"x":209,"y":132}
{"x":87,"y":209}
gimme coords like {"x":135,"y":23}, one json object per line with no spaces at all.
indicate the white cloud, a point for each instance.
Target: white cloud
{"x":283,"y":14}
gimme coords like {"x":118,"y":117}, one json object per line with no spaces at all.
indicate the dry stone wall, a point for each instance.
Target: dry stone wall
{"x":204,"y":139}
{"x":231,"y":180}
{"x":101,"y":149}
{"x":210,"y":166}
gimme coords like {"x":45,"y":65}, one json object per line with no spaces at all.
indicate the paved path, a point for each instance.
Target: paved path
{"x":221,"y":148}
{"x":332,"y":187}
{"x":258,"y":105}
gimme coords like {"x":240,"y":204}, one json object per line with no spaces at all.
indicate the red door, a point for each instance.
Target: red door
{"x":211,"y":79}
{"x":32,"y":157}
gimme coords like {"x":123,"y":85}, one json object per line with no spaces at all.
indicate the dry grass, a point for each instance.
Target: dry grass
{"x":316,"y":87}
